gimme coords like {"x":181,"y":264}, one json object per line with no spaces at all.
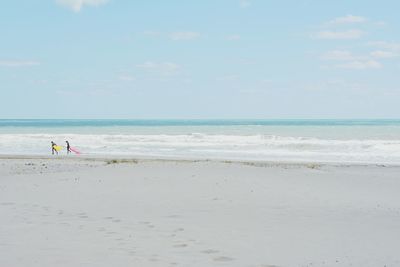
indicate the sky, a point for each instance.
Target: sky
{"x":209,"y":59}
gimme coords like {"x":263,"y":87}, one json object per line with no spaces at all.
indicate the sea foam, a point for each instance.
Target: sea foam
{"x":210,"y":146}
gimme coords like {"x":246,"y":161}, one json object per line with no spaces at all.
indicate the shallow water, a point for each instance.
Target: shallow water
{"x":369,"y":141}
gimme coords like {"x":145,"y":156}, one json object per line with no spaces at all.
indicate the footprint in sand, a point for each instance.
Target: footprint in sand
{"x":7,"y":203}
{"x":154,"y":258}
{"x":180,"y":246}
{"x":83,"y":215}
{"x":111,"y":233}
{"x":148,"y":224}
{"x":223,"y":259}
{"x":173,"y":216}
{"x":210,"y":251}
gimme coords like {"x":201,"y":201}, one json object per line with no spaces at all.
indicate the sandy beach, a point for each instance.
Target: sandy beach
{"x":199,"y":133}
{"x":105,"y":212}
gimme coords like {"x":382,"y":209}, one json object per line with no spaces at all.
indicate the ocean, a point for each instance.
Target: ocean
{"x":342,"y":141}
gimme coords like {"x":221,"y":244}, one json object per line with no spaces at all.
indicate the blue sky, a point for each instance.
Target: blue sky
{"x":199,"y":59}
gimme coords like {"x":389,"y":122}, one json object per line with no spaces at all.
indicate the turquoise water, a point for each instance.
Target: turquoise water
{"x":333,"y":129}
{"x":115,"y":122}
{"x":305,"y":140}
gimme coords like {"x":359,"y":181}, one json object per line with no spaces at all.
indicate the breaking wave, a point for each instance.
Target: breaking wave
{"x":210,"y":146}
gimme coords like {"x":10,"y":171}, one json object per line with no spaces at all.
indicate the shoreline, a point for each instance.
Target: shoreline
{"x":137,"y":159}
{"x":143,"y":159}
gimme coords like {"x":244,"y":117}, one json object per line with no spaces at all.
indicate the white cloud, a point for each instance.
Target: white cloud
{"x":126,"y":78}
{"x":233,"y":37}
{"x":244,"y":3}
{"x":383,"y":54}
{"x":40,"y":81}
{"x":175,"y":36}
{"x":162,"y":68}
{"x":18,"y":63}
{"x":184,"y":36}
{"x":335,"y":85}
{"x":380,"y":23}
{"x":349,"y":34}
{"x":394,"y":47}
{"x":350,"y":61}
{"x":340,"y":55}
{"x":68,"y":93}
{"x":348,"y":19}
{"x":228,"y":78}
{"x":76,"y":5}
{"x":95,"y":92}
{"x":360,"y":65}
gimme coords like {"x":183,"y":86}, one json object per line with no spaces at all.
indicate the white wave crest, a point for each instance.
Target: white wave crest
{"x":200,"y":145}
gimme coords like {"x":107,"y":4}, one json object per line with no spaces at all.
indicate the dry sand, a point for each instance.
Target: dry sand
{"x":94,"y":212}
